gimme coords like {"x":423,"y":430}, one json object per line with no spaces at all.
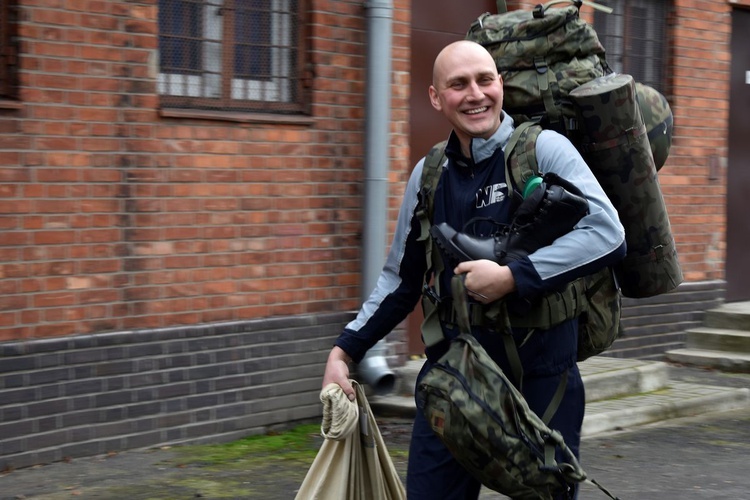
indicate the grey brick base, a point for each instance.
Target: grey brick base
{"x":91,"y":394}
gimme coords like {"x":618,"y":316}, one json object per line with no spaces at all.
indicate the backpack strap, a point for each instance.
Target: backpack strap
{"x":432,"y":169}
{"x":522,"y":168}
{"x":520,"y":162}
{"x":431,"y":172}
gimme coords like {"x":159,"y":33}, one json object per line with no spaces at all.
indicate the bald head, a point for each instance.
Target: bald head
{"x":468,"y":91}
{"x":452,"y":56}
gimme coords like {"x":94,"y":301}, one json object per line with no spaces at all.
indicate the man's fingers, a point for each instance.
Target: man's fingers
{"x":348,"y":390}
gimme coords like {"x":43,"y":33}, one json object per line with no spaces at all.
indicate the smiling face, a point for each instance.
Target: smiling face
{"x":467,"y":89}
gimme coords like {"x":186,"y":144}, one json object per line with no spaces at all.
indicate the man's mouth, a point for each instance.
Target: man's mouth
{"x":476,"y":111}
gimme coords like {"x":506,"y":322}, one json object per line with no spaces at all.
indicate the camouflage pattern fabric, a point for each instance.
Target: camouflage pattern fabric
{"x":542,"y":56}
{"x":657,"y":115}
{"x":487,"y":425}
{"x":599,"y":325}
{"x":617,"y":149}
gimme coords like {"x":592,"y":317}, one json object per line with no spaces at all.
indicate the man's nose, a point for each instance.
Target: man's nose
{"x":475,"y":91}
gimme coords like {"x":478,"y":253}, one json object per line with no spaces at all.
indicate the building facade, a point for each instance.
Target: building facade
{"x":182,"y":197}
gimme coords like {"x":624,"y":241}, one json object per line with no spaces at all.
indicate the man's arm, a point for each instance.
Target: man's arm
{"x":397,"y":291}
{"x":597,"y":240}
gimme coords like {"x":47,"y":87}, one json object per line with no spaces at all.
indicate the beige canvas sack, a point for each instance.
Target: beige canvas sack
{"x":353,"y":462}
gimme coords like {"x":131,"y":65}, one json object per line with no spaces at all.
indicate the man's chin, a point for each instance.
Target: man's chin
{"x":483,"y":132}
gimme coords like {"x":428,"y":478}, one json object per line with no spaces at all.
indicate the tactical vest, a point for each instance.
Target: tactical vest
{"x":594,"y":299}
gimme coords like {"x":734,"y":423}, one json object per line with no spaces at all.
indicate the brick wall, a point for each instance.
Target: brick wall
{"x":163,"y":244}
{"x":166,"y":277}
{"x":696,"y":195}
{"x":117,"y":217}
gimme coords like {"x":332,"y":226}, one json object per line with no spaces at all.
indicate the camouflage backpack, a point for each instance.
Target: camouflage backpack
{"x":555,"y":73}
{"x":542,"y":55}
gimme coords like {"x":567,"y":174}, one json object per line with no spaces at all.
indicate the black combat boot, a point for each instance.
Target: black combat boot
{"x":547,"y":213}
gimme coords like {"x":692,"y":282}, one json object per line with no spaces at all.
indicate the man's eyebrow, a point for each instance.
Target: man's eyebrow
{"x":456,"y":79}
{"x":464,"y":78}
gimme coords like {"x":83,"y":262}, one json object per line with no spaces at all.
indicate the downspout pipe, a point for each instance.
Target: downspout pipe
{"x":373,"y":368}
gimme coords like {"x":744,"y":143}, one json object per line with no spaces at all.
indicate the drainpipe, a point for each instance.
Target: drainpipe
{"x":374,"y":368}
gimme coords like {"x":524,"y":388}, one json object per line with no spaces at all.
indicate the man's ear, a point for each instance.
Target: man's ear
{"x":435,"y":99}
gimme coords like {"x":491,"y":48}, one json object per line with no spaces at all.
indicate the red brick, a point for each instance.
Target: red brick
{"x":244,"y":220}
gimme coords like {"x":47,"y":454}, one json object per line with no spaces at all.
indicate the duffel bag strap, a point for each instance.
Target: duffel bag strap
{"x":461,"y":303}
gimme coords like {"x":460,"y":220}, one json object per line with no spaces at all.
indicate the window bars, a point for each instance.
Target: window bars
{"x":634,"y":36}
{"x":231,"y":55}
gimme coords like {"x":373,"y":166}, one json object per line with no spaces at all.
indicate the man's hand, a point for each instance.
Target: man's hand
{"x":486,"y":281}
{"x":337,"y":371}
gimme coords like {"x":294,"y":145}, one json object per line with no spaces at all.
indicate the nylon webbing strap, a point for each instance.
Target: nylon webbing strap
{"x":432,"y":332}
{"x":477,"y":317}
{"x":544,"y":76}
{"x":626,"y":139}
{"x":557,"y":398}
{"x":511,"y":350}
{"x":590,"y":3}
{"x":550,"y":446}
{"x":461,"y":303}
{"x":502,"y":8}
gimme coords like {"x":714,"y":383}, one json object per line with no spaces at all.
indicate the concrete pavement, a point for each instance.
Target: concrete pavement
{"x":691,"y":458}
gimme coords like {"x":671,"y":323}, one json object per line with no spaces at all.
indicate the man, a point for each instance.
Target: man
{"x":468,"y":91}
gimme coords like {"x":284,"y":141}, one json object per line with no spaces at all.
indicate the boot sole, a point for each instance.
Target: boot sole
{"x":445,"y":242}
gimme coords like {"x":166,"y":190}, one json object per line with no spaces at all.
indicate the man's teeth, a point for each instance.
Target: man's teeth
{"x":476,"y":111}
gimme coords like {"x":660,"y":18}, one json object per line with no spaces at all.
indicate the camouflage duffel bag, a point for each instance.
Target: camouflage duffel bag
{"x":488,"y":427}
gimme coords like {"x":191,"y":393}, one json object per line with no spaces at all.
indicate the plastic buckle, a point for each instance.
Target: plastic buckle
{"x":429,"y":292}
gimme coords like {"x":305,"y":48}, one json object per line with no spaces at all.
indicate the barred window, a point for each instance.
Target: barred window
{"x":8,"y":54}
{"x":231,"y":55}
{"x":634,"y":36}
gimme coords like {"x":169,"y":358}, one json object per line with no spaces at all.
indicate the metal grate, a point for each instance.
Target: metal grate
{"x":634,"y":36}
{"x":233,"y":55}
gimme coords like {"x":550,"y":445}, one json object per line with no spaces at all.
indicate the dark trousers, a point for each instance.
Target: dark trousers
{"x":434,"y":474}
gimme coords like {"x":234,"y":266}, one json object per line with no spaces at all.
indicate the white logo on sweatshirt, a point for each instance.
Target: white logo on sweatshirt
{"x":489,"y":195}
